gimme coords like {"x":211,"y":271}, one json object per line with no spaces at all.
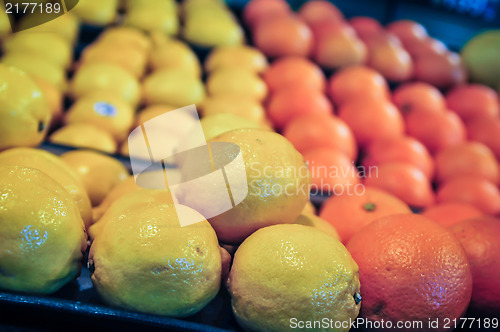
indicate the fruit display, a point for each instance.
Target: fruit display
{"x":264,"y":166}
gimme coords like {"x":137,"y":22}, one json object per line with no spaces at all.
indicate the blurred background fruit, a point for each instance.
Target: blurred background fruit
{"x":84,"y":135}
{"x":480,"y":54}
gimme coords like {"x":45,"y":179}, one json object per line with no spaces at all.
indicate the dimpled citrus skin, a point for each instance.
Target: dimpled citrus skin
{"x":42,"y":235}
{"x":292,"y":271}
{"x":312,"y":220}
{"x":165,"y":269}
{"x":24,"y":113}
{"x":270,"y":160}
{"x":55,"y":168}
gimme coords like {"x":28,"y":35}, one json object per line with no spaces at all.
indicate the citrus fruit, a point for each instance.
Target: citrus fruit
{"x":479,"y":55}
{"x":316,"y":11}
{"x":440,"y":70}
{"x":175,"y":54}
{"x":473,"y":190}
{"x":292,"y":70}
{"x":485,"y":130}
{"x":127,"y":37}
{"x":171,"y":86}
{"x":54,"y":98}
{"x":391,"y":60}
{"x":99,"y":173}
{"x":257,"y":10}
{"x":473,"y":100}
{"x":5,"y":28}
{"x":167,"y":269}
{"x":469,"y":158}
{"x":357,"y":82}
{"x":246,"y":107}
{"x":214,"y":125}
{"x":479,"y":237}
{"x":41,"y":231}
{"x":24,"y":112}
{"x":418,"y":96}
{"x":277,"y":265}
{"x":366,"y":27}
{"x":309,"y":208}
{"x":403,"y":180}
{"x":154,"y":17}
{"x":348,"y":213}
{"x":310,"y":219}
{"x":236,"y":81}
{"x":84,"y":135}
{"x":407,"y":30}
{"x":338,"y":49}
{"x":67,"y":26}
{"x":402,"y":149}
{"x":151,"y":112}
{"x":105,"y":77}
{"x":372,"y":119}
{"x":277,"y":179}
{"x":320,"y":130}
{"x":96,"y":12}
{"x":423,"y":47}
{"x":241,"y":56}
{"x":124,"y":187}
{"x":105,"y":110}
{"x":411,"y":269}
{"x":296,"y":100}
{"x":331,"y":170}
{"x":55,"y":168}
{"x":449,"y":214}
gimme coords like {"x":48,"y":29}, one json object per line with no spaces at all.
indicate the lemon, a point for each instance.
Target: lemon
{"x":42,"y":235}
{"x":165,"y":269}
{"x":67,"y":26}
{"x":37,"y":67}
{"x":55,"y":168}
{"x":175,"y":87}
{"x":240,"y":56}
{"x":154,"y":18}
{"x":310,"y":219}
{"x":5,"y":28}
{"x":105,"y":77}
{"x":128,"y":57}
{"x":309,"y":208}
{"x":286,"y":272}
{"x":97,"y":12}
{"x":212,"y":28}
{"x":126,"y":186}
{"x":53,"y":96}
{"x":246,"y":107}
{"x":151,"y":112}
{"x":104,"y":110}
{"x":84,"y":135}
{"x":98,"y":172}
{"x":236,"y":81}
{"x":46,"y":45}
{"x":277,"y":179}
{"x":175,"y":54}
{"x":24,"y":113}
{"x":126,"y":36}
{"x":214,"y":125}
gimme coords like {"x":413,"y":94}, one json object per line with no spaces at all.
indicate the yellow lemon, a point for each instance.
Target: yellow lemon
{"x":214,"y":125}
{"x":175,"y":87}
{"x":284,"y":274}
{"x":126,"y":186}
{"x":175,"y":54}
{"x":54,"y":98}
{"x":42,"y":235}
{"x":108,"y":77}
{"x":54,"y":167}
{"x":37,"y":67}
{"x":240,"y":56}
{"x":166,"y":269}
{"x":104,"y":110}
{"x":151,"y":112}
{"x":66,"y":26}
{"x":246,"y":107}
{"x":277,"y":179}
{"x":212,"y":28}
{"x":84,"y":135}
{"x":97,"y":12}
{"x":153,"y":17}
{"x":310,"y":219}
{"x":128,"y":57}
{"x":126,"y":36}
{"x":309,"y":208}
{"x":238,"y":82}
{"x":24,"y":113}
{"x":47,"y":45}
{"x":99,"y":173}
{"x":5,"y":28}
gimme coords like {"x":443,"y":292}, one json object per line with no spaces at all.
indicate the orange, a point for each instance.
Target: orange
{"x":349,"y":213}
{"x":407,"y":31}
{"x":294,"y":70}
{"x":332,"y":171}
{"x":421,"y":47}
{"x":357,"y":82}
{"x":469,"y":158}
{"x":485,"y":130}
{"x":404,"y":181}
{"x":435,"y":130}
{"x":372,"y":119}
{"x":320,"y":130}
{"x":391,"y":60}
{"x":480,"y":238}
{"x":418,"y":96}
{"x":472,"y":190}
{"x":319,"y":10}
{"x":473,"y":100}
{"x":257,"y":10}
{"x":366,"y":27}
{"x":294,"y":101}
{"x":402,"y":149}
{"x":282,"y":36}
{"x":440,"y":70}
{"x":449,"y":214}
{"x":411,"y":269}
